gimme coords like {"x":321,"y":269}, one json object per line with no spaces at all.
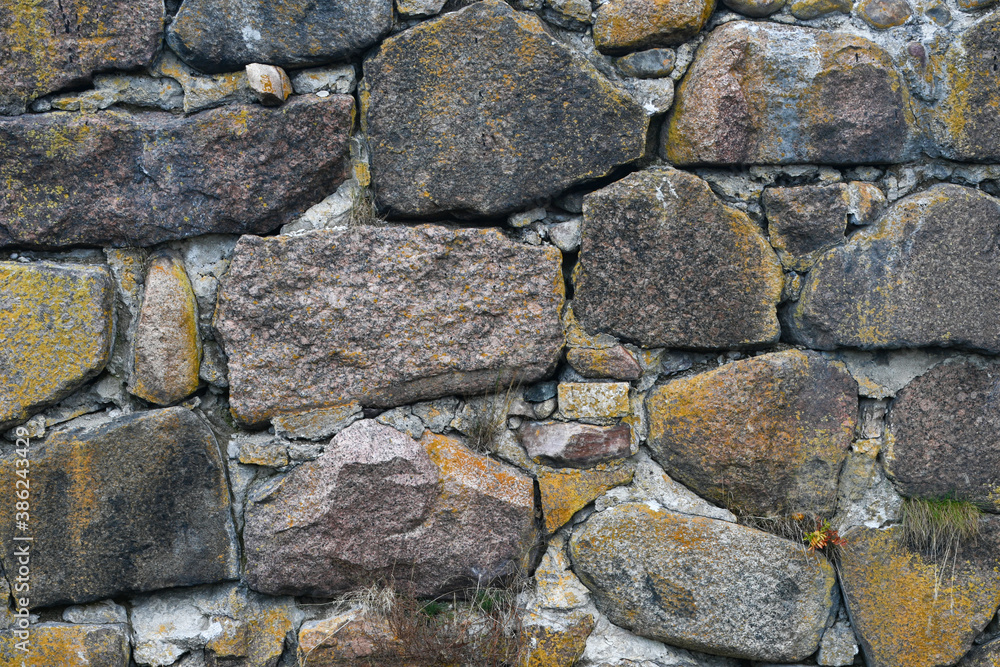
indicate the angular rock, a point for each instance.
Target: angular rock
{"x":865,"y":497}
{"x":56,"y":330}
{"x":703,"y":584}
{"x":270,"y":83}
{"x":942,"y":431}
{"x":167,"y":343}
{"x":67,"y":645}
{"x":340,"y":79}
{"x":112,"y":178}
{"x":613,"y":362}
{"x":105,"y":611}
{"x":555,"y":644}
{"x":884,"y":14}
{"x":767,"y":435}
{"x":755,"y":8}
{"x":650,"y":64}
{"x":449,"y":133}
{"x":45,"y":48}
{"x":377,"y":503}
{"x":665,"y":264}
{"x":318,"y":424}
{"x":838,"y":646}
{"x":420,"y":8}
{"x":908,"y":610}
{"x":575,"y":445}
{"x":805,"y":221}
{"x":133,"y":504}
{"x":385,"y":316}
{"x":925,"y":275}
{"x":204,"y":92}
{"x":556,"y":587}
{"x":599,"y":401}
{"x":224,"y":35}
{"x":566,"y":491}
{"x":806,"y":10}
{"x":629,"y":25}
{"x":987,"y":655}
{"x":964,"y":124}
{"x":764,"y":93}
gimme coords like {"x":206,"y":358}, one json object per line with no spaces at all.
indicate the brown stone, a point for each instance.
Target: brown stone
{"x":449,"y":133}
{"x":118,"y":179}
{"x":884,"y":14}
{"x":629,"y":25}
{"x":942,"y":431}
{"x":764,"y":93}
{"x":385,"y":316}
{"x":767,"y":435}
{"x":573,"y":444}
{"x":47,"y":45}
{"x":612,"y":362}
{"x":806,"y":10}
{"x":926,"y":275}
{"x":167,"y":343}
{"x":378,"y":504}
{"x":804,"y":221}
{"x":755,"y":8}
{"x":665,"y":264}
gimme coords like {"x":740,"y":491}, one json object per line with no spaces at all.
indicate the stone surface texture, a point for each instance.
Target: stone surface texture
{"x":120,"y":179}
{"x":600,"y":401}
{"x":133,"y":504}
{"x":67,"y":645}
{"x":704,"y":584}
{"x":664,"y":263}
{"x":389,"y":310}
{"x":923,"y":276}
{"x":449,"y":133}
{"x":56,"y":330}
{"x":804,"y":221}
{"x":575,"y":445}
{"x":773,"y":94}
{"x":767,"y":435}
{"x":621,"y":26}
{"x":564,"y":492}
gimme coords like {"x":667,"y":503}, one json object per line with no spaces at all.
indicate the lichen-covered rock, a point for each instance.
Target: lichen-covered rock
{"x":610,"y":362}
{"x":942,"y":431}
{"x":167,"y":343}
{"x":884,"y":14}
{"x":629,"y":25}
{"x":565,"y":491}
{"x":665,"y":264}
{"x":378,"y":503}
{"x":575,"y":445}
{"x":806,"y":10}
{"x":594,"y":401}
{"x":67,"y":645}
{"x":767,"y":434}
{"x":204,"y":91}
{"x":703,"y":584}
{"x":804,"y":221}
{"x":55,"y":332}
{"x":649,"y":64}
{"x":838,"y":646}
{"x":133,"y":504}
{"x":224,"y":35}
{"x":554,"y":643}
{"x":964,"y":124}
{"x":317,"y":424}
{"x":755,"y":8}
{"x":385,"y":316}
{"x":987,"y":655}
{"x":271,"y":85}
{"x":912,"y":611}
{"x":449,"y":133}
{"x":775,"y":94}
{"x":113,"y":178}
{"x":926,"y":275}
{"x":45,"y":47}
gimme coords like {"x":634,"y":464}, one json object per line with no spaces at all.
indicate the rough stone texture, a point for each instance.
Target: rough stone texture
{"x":419,"y":8}
{"x":629,"y":25}
{"x":433,"y":510}
{"x":56,"y":332}
{"x":703,"y":584}
{"x":865,"y":497}
{"x":317,"y":424}
{"x":133,"y":504}
{"x":612,"y":362}
{"x":884,"y":14}
{"x":45,"y":47}
{"x":112,"y":178}
{"x":774,"y":94}
{"x":167,"y":343}
{"x":925,"y":275}
{"x":448,"y":133}
{"x":558,"y":644}
{"x":556,"y":587}
{"x":340,"y":79}
{"x":767,"y":434}
{"x":575,"y":445}
{"x":270,"y":83}
{"x":804,"y":221}
{"x":385,"y":316}
{"x":67,"y":645}
{"x":566,"y":491}
{"x":231,"y":624}
{"x":105,"y":611}
{"x":224,"y":35}
{"x":665,"y":264}
{"x":755,"y":8}
{"x":838,"y":646}
{"x":650,"y":64}
{"x":806,"y":10}
{"x":964,"y":123}
{"x":987,"y":655}
{"x":204,"y":92}
{"x":942,"y":431}
{"x":909,"y":611}
{"x":593,"y":400}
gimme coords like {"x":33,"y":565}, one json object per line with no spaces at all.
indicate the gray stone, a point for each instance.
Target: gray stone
{"x":545,"y":409}
{"x":566,"y":235}
{"x":201,"y":91}
{"x":224,"y":35}
{"x":987,"y":655}
{"x":259,"y":449}
{"x":469,"y":310}
{"x":566,"y":444}
{"x":318,"y":424}
{"x":338,"y":79}
{"x":378,"y":502}
{"x":132,"y":504}
{"x":649,"y":64}
{"x":865,"y":496}
{"x":419,"y":8}
{"x":925,"y":275}
{"x":755,"y":8}
{"x":233,"y":170}
{"x":448,"y":134}
{"x":541,"y":392}
{"x":805,"y":221}
{"x":838,"y":646}
{"x":269,"y":83}
{"x":665,"y":264}
{"x":569,"y":14}
{"x":403,"y":420}
{"x":437,"y":415}
{"x":334,"y":211}
{"x":704,"y":584}
{"x":142,"y":91}
{"x":105,"y":611}
{"x":525,"y":218}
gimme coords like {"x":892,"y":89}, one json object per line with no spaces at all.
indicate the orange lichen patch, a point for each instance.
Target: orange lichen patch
{"x":463,"y":469}
{"x":67,"y":645}
{"x":910,"y":611}
{"x":628,"y":25}
{"x":315,"y":423}
{"x":566,"y":491}
{"x":549,"y":645}
{"x":55,"y":328}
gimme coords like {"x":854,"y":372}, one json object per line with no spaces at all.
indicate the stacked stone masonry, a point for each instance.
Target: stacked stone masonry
{"x":540,"y":333}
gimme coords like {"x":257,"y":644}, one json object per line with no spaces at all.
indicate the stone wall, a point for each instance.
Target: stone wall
{"x":607,"y":308}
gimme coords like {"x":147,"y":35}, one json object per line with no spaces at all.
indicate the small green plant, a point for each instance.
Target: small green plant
{"x":938,"y":527}
{"x":824,"y":539}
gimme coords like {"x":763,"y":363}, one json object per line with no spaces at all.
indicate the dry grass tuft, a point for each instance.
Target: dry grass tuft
{"x":489,"y":422}
{"x":938,"y":527}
